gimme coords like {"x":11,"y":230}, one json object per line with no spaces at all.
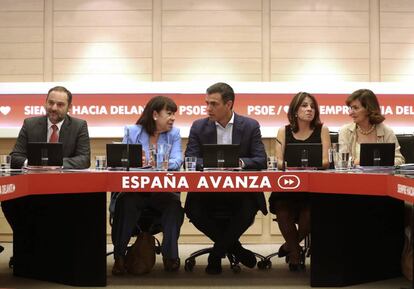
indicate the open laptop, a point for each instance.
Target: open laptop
{"x":121,"y":156}
{"x":221,"y":156}
{"x":295,"y":152}
{"x":384,"y":152}
{"x":44,"y":154}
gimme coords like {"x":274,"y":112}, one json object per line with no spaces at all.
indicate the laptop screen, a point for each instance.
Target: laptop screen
{"x":221,"y":155}
{"x":44,"y":154}
{"x":377,"y":154}
{"x":297,"y":153}
{"x":118,"y":155}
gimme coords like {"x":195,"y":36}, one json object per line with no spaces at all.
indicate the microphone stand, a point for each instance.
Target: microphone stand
{"x":127,"y":148}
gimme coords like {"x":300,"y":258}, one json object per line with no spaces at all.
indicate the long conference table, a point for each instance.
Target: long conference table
{"x":357,"y":218}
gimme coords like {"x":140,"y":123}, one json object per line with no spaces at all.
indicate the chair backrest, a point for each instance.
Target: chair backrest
{"x":407,"y":146}
{"x":334,"y":136}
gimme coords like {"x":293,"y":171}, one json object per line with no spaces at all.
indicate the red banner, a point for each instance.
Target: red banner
{"x":115,"y":110}
{"x":330,"y":182}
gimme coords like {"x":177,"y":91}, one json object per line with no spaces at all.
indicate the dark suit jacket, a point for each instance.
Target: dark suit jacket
{"x":246,"y":132}
{"x":73,"y":134}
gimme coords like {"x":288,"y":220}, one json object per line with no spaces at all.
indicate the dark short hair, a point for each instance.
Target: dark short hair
{"x":225,"y":90}
{"x":157,"y":103}
{"x":61,"y":89}
{"x":369,"y":101}
{"x":294,"y":105}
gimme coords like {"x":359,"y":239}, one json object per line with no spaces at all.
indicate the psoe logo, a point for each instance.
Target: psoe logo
{"x":288,"y":182}
{"x":7,"y":189}
{"x":5,"y":110}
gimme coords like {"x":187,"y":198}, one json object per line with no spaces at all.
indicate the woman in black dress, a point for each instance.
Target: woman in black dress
{"x":293,"y":208}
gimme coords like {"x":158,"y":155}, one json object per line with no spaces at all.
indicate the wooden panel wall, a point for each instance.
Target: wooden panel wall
{"x":397,"y":40}
{"x":21,"y":40}
{"x":100,"y":40}
{"x":226,"y":40}
{"x":319,"y":40}
{"x":215,"y":40}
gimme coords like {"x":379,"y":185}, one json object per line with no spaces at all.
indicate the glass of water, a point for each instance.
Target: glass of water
{"x":190,"y":164}
{"x":163,"y":156}
{"x":5,"y":161}
{"x":342,"y":156}
{"x":272,"y":163}
{"x":100,"y":162}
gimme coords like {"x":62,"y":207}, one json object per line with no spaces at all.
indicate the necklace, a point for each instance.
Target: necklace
{"x":366,"y":132}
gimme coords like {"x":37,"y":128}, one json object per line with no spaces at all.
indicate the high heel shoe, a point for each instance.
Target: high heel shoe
{"x":296,"y":261}
{"x":296,"y":267}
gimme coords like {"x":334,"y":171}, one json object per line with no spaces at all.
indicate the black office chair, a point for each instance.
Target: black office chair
{"x":221,"y":217}
{"x":266,"y":263}
{"x":334,"y":136}
{"x":149,"y":222}
{"x":407,"y":146}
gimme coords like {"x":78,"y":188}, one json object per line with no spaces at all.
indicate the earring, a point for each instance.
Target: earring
{"x":296,"y":115}
{"x":155,"y":118}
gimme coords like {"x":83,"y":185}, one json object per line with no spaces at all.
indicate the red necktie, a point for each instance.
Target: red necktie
{"x":54,"y":137}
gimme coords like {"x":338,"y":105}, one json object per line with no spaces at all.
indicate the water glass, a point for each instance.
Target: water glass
{"x":152,"y":156}
{"x":100,"y":162}
{"x":272,"y":163}
{"x":163,"y":156}
{"x":341,"y":156}
{"x":5,"y":161}
{"x":190,"y":164}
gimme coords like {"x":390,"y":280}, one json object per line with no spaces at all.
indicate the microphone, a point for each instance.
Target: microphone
{"x":44,"y":157}
{"x":127,"y":147}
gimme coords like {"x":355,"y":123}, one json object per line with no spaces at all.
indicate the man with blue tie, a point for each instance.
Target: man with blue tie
{"x":224,"y":126}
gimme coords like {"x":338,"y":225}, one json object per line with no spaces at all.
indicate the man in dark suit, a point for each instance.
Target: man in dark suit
{"x":71,"y":132}
{"x":55,"y":126}
{"x":223,"y":126}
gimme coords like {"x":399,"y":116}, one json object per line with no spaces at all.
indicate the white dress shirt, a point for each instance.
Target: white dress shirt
{"x":225,"y":134}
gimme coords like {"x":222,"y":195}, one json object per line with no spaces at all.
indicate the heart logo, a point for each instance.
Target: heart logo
{"x":5,"y":110}
{"x":286,"y":108}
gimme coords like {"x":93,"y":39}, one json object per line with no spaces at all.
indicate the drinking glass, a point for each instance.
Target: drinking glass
{"x":272,"y":163}
{"x":100,"y":162}
{"x":341,"y":156}
{"x":152,"y":156}
{"x":5,"y":161}
{"x":190,"y":164}
{"x":163,"y":156}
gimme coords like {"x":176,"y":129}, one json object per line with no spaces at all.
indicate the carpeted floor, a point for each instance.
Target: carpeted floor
{"x":276,"y":277}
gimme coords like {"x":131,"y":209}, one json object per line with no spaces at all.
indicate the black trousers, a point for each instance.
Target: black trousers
{"x":16,"y":211}
{"x":223,"y":217}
